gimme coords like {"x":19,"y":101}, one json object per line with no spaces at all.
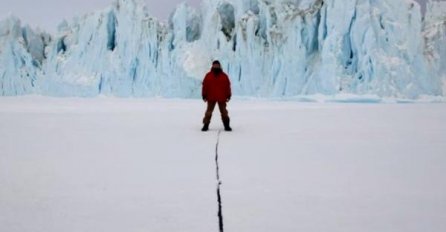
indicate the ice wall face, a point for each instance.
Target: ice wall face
{"x":269,"y":48}
{"x":286,"y":48}
{"x":369,"y":50}
{"x":435,"y":39}
{"x":21,"y":56}
{"x":120,"y":51}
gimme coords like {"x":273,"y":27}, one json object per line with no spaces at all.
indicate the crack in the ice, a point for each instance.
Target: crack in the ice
{"x":220,"y":211}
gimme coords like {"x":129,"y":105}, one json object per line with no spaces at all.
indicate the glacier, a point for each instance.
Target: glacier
{"x":280,"y":48}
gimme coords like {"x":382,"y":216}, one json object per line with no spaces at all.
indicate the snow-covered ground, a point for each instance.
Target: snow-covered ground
{"x":135,"y":165}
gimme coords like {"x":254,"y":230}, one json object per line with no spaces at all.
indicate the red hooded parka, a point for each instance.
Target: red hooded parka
{"x":216,"y":87}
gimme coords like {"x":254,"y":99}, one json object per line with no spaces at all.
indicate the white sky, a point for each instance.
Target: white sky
{"x":47,"y":14}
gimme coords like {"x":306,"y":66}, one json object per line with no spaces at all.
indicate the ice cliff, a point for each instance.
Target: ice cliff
{"x":21,"y":57}
{"x":269,"y":48}
{"x":435,"y":39}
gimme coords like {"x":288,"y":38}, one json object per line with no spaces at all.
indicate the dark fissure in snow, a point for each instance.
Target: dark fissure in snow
{"x":219,"y":199}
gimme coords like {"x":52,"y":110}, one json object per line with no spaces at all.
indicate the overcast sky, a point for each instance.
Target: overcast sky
{"x":47,"y":14}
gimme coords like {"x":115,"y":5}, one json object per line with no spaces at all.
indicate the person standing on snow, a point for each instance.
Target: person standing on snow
{"x":216,"y":90}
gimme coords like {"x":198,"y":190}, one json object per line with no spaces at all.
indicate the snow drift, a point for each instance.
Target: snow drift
{"x":269,"y":48}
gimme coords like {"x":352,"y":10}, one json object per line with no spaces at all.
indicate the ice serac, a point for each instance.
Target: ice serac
{"x":435,"y":38}
{"x":280,"y":48}
{"x":287,"y":48}
{"x":21,"y":56}
{"x":119,"y":51}
{"x":365,"y":48}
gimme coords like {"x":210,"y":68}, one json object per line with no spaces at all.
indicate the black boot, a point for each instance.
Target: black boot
{"x":226,"y":123}
{"x":205,"y":127}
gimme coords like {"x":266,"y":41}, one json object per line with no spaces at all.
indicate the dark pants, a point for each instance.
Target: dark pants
{"x":223,"y":111}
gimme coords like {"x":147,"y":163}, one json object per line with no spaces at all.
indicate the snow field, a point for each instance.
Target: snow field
{"x":110,"y":164}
